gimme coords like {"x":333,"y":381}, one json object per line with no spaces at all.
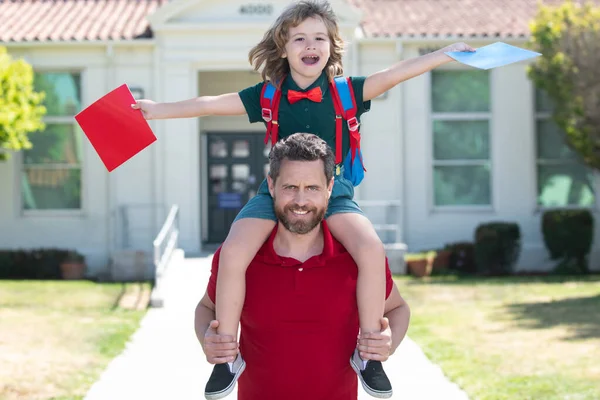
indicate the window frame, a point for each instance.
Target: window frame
{"x":458,"y":116}
{"x":537,"y":161}
{"x":20,"y":166}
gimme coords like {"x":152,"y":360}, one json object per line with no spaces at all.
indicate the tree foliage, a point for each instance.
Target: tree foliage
{"x":568,"y":36}
{"x":21,"y":108}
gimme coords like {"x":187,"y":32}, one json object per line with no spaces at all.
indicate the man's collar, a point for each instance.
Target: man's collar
{"x":267,"y":252}
{"x":290,"y":84}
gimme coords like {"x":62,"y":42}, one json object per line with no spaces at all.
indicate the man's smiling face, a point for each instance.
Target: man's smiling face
{"x":300,"y":195}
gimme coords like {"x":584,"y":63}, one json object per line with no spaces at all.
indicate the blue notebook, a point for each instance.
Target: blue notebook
{"x":493,"y":55}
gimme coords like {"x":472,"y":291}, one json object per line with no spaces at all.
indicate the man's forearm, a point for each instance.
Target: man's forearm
{"x":399,"y":318}
{"x":202,"y":318}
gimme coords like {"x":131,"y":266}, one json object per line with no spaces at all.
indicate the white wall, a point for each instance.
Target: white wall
{"x":177,"y":150}
{"x":132,"y":184}
{"x":91,"y":230}
{"x":382,"y":139}
{"x":396,"y":143}
{"x":381,"y":129}
{"x":513,"y":157}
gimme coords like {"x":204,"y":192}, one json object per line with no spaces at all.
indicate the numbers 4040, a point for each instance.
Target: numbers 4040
{"x":256,"y":9}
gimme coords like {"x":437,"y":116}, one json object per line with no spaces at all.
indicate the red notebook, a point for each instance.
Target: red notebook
{"x":117,"y":131}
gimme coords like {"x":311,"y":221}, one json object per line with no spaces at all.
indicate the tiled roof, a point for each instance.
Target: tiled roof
{"x":443,"y":18}
{"x":82,"y":20}
{"x":75,"y":20}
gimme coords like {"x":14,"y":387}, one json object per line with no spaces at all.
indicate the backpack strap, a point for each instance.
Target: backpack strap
{"x":269,"y":102}
{"x":345,"y":107}
{"x":339,"y":114}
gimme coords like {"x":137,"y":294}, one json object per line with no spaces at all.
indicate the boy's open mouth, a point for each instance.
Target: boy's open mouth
{"x":310,"y":60}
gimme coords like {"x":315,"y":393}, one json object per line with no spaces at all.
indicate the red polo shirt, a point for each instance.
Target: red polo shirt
{"x":299,"y":324}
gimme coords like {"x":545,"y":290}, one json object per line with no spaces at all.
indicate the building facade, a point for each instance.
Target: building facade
{"x":455,"y":147}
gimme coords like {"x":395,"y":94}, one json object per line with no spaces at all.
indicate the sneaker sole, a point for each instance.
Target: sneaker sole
{"x":374,"y":393}
{"x":225,"y":392}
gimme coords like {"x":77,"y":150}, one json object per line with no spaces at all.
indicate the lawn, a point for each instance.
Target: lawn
{"x":56,"y":337}
{"x":513,"y":338}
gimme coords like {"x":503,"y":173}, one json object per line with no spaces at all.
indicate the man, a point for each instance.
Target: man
{"x":300,"y":303}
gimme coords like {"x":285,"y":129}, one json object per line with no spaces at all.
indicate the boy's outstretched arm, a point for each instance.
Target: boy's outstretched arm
{"x":225,"y":104}
{"x":386,"y":79}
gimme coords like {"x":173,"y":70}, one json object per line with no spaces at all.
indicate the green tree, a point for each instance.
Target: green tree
{"x":568,"y":36}
{"x":21,"y":108}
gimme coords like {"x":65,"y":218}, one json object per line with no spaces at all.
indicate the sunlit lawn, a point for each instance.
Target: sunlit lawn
{"x":514,"y":338}
{"x":56,"y":337}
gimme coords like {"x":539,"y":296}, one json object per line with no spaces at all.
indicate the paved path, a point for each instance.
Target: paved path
{"x":164,"y":361}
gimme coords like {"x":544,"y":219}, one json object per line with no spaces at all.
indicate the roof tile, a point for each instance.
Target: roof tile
{"x":75,"y":20}
{"x":83,"y":20}
{"x":456,"y":18}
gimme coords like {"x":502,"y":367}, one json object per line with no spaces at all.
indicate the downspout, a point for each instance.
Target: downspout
{"x":112,"y":213}
{"x":403,"y":125}
{"x":156,"y":95}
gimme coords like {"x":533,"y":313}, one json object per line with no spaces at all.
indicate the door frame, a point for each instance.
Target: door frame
{"x":204,"y":190}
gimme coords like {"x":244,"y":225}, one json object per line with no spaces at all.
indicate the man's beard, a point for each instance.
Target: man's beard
{"x":299,"y":226}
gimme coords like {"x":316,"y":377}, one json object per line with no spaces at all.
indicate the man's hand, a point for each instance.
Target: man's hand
{"x":218,"y":349}
{"x":376,"y":346}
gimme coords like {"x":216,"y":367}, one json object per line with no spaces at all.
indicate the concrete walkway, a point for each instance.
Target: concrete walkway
{"x":163,"y":360}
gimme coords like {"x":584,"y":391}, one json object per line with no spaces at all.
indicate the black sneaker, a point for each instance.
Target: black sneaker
{"x":372,"y":377}
{"x":223,"y":379}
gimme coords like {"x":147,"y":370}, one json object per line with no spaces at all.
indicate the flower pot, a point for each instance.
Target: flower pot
{"x":419,"y":267}
{"x":72,"y":270}
{"x":441,"y":260}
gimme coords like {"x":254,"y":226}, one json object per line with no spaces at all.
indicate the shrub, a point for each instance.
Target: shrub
{"x":462,"y":257}
{"x":497,"y":247}
{"x":568,"y":236}
{"x":21,"y":108}
{"x":32,"y":264}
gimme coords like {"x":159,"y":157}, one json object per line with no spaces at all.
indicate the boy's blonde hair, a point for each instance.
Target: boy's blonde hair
{"x":267,"y":54}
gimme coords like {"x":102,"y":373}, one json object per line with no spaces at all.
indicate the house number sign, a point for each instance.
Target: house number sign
{"x":256,"y":9}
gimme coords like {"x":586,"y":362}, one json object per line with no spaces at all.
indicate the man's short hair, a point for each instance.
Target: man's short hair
{"x":301,"y":147}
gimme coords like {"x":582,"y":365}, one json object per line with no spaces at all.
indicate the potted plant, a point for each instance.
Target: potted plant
{"x":420,"y":264}
{"x":462,"y":258}
{"x":73,"y":266}
{"x":442,"y":259}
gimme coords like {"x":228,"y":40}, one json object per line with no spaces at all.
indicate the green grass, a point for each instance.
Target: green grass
{"x":56,"y":337}
{"x":511,"y":338}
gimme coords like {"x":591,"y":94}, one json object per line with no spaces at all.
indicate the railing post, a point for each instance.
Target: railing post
{"x":177,"y":228}
{"x":164,"y":244}
{"x":125,"y":227}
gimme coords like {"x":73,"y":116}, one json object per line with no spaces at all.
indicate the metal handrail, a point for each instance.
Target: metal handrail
{"x":387,"y":205}
{"x":130,"y":225}
{"x":166,"y":241}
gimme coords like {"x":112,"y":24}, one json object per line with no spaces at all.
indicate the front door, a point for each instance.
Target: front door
{"x":237,"y":164}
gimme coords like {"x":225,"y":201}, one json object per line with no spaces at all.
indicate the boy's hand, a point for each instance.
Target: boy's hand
{"x":457,"y":47}
{"x":218,"y":349}
{"x":149,"y":108}
{"x":376,"y":346}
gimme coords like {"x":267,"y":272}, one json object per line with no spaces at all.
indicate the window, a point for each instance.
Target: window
{"x":562,"y":179}
{"x":460,"y":102}
{"x":51,"y":178}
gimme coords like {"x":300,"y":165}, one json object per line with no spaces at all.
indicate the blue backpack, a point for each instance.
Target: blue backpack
{"x":344,"y":104}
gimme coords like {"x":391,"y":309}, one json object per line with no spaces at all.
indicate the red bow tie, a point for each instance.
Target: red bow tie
{"x":313,"y":94}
